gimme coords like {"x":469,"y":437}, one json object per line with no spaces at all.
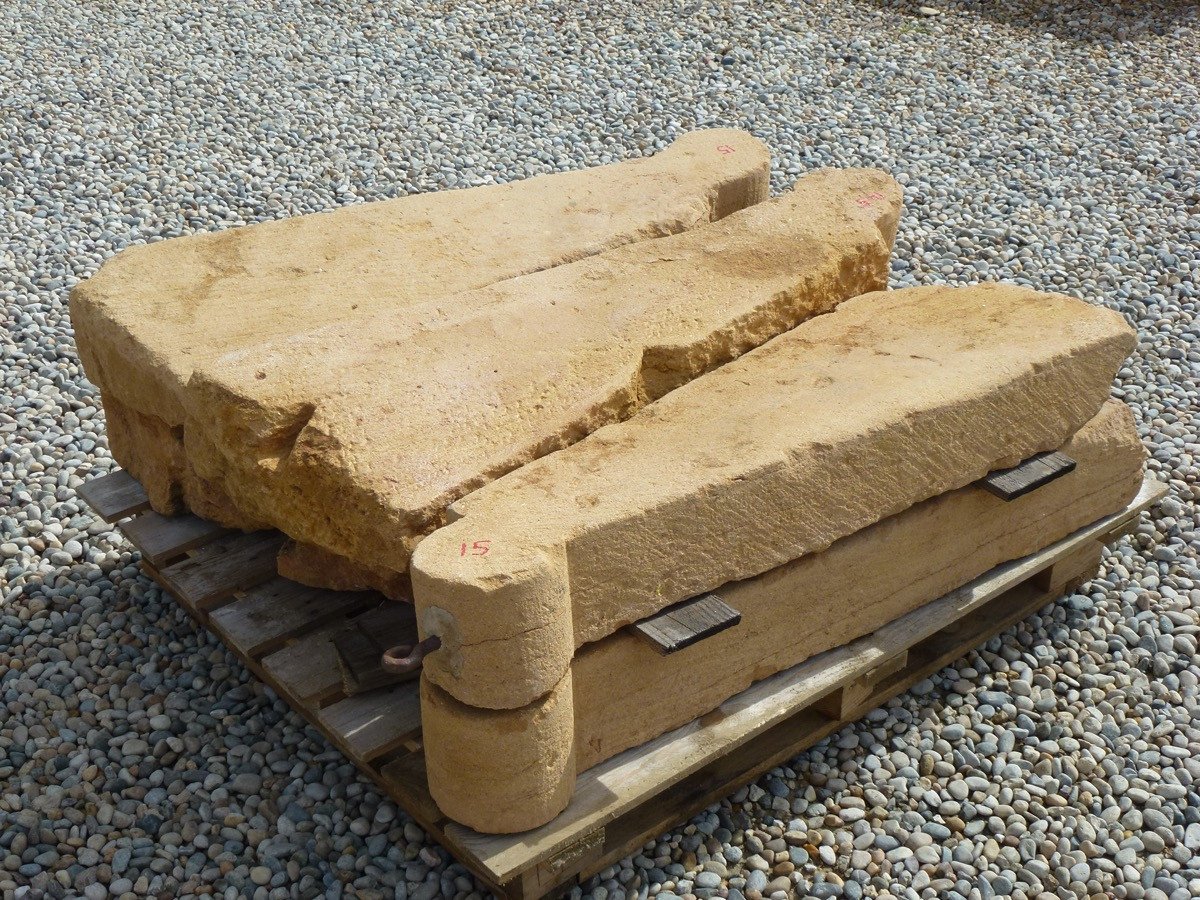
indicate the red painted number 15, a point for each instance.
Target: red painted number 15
{"x":479,"y":548}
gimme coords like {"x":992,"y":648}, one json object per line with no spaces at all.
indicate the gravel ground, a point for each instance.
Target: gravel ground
{"x":1052,"y":144}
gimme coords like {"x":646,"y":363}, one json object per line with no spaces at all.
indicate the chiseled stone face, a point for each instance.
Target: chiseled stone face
{"x":416,"y":412}
{"x":790,"y":613}
{"x":893,"y":398}
{"x":155,"y":313}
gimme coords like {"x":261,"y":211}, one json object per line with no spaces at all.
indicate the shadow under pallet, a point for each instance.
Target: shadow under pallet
{"x":286,"y":632}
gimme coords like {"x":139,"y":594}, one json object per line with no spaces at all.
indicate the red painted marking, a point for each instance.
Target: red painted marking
{"x":868,"y":199}
{"x":724,"y":149}
{"x":478,"y":548}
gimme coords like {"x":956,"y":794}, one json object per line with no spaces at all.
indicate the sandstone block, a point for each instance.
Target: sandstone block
{"x":893,"y":398}
{"x":790,"y":613}
{"x":412,"y":414}
{"x":523,"y":760}
{"x":154,"y":313}
{"x":858,"y":584}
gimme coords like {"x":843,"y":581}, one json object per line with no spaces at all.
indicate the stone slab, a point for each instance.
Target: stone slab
{"x":827,"y":599}
{"x":893,"y":398}
{"x":409,"y":416}
{"x":789,"y":614}
{"x":154,"y":313}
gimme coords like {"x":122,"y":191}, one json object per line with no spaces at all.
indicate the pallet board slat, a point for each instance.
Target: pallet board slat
{"x":161,"y":539}
{"x":307,"y":669}
{"x":686,"y":623}
{"x":267,"y":616}
{"x":1033,"y":473}
{"x":115,"y":495}
{"x":374,"y":724}
{"x":220,"y":569}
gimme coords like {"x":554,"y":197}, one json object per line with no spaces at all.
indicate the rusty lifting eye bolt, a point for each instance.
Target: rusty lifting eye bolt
{"x":405,"y":658}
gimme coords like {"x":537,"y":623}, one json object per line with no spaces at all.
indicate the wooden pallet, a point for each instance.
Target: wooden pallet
{"x":284,"y":633}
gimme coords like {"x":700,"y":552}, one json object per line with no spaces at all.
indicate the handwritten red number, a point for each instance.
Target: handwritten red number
{"x":868,"y":199}
{"x":724,"y":149}
{"x":478,"y":548}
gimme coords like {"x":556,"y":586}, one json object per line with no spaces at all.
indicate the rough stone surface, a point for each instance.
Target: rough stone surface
{"x":810,"y":605}
{"x":363,"y":464}
{"x":893,"y":398}
{"x":1052,"y":144}
{"x":155,"y":313}
{"x":788,"y":614}
{"x":312,"y":565}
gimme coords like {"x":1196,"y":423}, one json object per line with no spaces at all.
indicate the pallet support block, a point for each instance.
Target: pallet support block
{"x":847,"y":701}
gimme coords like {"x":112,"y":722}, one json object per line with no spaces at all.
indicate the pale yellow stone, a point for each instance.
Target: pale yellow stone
{"x":623,"y":692}
{"x":154,"y":313}
{"x":313,"y":566}
{"x":854,"y":416}
{"x":363,"y":462}
{"x":860,"y":583}
{"x":499,"y":771}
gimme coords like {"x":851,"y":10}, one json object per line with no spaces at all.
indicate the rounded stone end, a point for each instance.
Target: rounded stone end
{"x":502,"y":609}
{"x":500,"y":771}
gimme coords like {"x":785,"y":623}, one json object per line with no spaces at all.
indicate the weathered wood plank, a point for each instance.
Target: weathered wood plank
{"x":369,"y":726}
{"x":223,"y":567}
{"x":406,"y":780}
{"x":307,"y":669}
{"x":162,"y":539}
{"x":1027,"y":476}
{"x":115,"y":495}
{"x":265,"y":617}
{"x":620,"y":784}
{"x":686,"y":623}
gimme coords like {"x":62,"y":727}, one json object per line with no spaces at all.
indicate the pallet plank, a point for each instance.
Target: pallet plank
{"x":620,"y":784}
{"x":220,"y":569}
{"x":686,"y":623}
{"x":115,"y":495}
{"x":369,"y":726}
{"x":405,"y":778}
{"x":162,"y":539}
{"x":1028,"y":476}
{"x":307,"y":669}
{"x":265,"y":617}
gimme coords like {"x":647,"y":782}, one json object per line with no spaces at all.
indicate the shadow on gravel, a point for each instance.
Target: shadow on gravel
{"x":1081,"y":21}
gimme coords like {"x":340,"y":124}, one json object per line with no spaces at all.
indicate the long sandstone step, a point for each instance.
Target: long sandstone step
{"x":509,"y":770}
{"x":362,"y":462}
{"x":153,"y":313}
{"x":893,"y":398}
